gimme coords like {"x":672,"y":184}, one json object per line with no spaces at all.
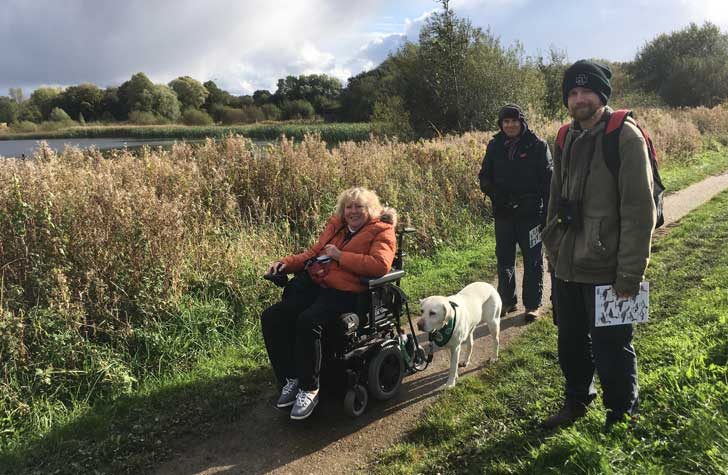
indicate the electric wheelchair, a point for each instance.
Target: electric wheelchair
{"x":368,"y":353}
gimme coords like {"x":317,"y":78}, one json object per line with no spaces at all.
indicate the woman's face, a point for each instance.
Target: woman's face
{"x":355,"y":215}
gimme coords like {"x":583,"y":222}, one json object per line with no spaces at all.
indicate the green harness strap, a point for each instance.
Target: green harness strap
{"x":441,"y":336}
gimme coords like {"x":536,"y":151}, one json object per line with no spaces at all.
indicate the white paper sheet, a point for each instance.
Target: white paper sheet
{"x":610,"y":310}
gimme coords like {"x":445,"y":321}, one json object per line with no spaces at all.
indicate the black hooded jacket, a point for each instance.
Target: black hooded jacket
{"x":517,"y":187}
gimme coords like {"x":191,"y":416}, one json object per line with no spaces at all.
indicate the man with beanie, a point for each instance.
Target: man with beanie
{"x":598,"y":232}
{"x":515,"y":175}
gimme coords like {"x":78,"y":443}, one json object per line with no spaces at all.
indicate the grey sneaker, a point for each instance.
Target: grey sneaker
{"x":288,"y":393}
{"x":306,"y":401}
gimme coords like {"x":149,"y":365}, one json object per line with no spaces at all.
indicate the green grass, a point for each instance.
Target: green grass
{"x":711,"y":161}
{"x":330,"y":132}
{"x":490,"y":424}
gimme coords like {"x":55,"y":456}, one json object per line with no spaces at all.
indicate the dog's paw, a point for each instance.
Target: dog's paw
{"x":493,"y":359}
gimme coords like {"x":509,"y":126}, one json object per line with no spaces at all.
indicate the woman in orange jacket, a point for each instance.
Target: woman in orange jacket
{"x":358,"y":241}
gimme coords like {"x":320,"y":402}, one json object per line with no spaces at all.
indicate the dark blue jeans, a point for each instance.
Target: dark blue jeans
{"x":584,"y":348}
{"x":510,"y":231}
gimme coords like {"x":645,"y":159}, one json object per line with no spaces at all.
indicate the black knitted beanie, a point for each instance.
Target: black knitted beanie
{"x":588,"y":74}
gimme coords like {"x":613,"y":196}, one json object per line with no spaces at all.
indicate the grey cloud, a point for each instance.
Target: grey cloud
{"x":105,"y":42}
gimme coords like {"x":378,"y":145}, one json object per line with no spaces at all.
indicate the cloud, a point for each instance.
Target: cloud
{"x":105,"y":41}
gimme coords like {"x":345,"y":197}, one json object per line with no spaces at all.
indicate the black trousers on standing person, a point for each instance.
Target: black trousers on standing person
{"x":583,"y":347}
{"x":509,"y":232}
{"x":292,"y":329}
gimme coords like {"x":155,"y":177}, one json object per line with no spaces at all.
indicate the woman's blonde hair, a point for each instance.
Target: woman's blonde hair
{"x":366,"y":197}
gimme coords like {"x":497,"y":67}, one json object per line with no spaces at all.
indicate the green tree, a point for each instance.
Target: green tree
{"x":190,"y":92}
{"x":27,"y":111}
{"x":261,"y":96}
{"x":111,"y":106}
{"x":688,"y":67}
{"x":361,"y":93}
{"x":45,"y":99}
{"x":165,"y":103}
{"x":552,"y":71}
{"x":136,"y":94}
{"x":82,"y":99}
{"x":8,"y":110}
{"x":319,"y":90}
{"x":458,"y":76}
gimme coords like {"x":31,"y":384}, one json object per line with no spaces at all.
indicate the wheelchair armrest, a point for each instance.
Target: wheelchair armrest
{"x":386,"y":278}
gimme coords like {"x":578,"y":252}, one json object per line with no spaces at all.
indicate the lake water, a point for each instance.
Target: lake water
{"x":16,"y":148}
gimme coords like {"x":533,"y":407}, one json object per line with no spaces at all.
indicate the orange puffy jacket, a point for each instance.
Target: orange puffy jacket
{"x":369,"y":253}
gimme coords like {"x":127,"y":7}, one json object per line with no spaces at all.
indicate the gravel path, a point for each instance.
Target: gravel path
{"x":264,"y":440}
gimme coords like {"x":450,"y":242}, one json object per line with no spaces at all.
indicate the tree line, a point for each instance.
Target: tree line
{"x":454,"y":79}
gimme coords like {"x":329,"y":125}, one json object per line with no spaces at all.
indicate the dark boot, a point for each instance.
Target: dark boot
{"x":566,"y":416}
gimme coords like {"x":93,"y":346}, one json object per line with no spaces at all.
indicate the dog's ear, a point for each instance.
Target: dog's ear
{"x":446,"y":312}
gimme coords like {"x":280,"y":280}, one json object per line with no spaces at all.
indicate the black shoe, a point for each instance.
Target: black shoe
{"x":566,"y":416}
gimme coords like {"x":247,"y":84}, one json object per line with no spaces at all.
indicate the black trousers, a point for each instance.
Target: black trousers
{"x":292,"y":329}
{"x":509,"y":232}
{"x":584,"y":348}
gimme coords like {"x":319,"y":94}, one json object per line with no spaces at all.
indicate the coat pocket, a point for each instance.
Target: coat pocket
{"x":597,"y":249}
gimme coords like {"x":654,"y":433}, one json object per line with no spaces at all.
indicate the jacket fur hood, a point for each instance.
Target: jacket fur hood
{"x":389,"y":215}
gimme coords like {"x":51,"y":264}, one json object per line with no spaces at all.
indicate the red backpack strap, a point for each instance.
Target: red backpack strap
{"x":561,"y":136}
{"x":616,"y":119}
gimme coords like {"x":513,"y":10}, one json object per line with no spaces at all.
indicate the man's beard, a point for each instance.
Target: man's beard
{"x":584,"y":112}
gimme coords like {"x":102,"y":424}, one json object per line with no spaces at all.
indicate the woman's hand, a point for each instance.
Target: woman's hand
{"x":332,"y":251}
{"x":276,"y":267}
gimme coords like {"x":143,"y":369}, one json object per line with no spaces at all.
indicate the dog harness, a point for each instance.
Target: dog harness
{"x":441,"y":336}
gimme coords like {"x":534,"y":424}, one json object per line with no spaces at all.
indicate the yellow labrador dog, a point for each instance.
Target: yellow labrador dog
{"x":451,"y":321}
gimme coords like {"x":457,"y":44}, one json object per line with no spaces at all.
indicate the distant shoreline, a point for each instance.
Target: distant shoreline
{"x":330,"y":132}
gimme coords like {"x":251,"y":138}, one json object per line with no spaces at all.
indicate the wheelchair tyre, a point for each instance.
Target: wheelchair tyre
{"x":386,"y":370}
{"x":355,"y":401}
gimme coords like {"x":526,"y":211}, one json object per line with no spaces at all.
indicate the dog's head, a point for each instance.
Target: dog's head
{"x":436,"y":313}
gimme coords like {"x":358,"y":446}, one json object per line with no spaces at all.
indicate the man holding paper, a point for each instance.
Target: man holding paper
{"x":515,"y":175}
{"x":598,"y":232}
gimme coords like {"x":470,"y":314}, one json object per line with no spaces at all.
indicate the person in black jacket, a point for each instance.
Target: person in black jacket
{"x":515,"y":175}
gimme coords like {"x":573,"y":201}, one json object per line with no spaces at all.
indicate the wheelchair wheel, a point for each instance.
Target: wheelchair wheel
{"x":386,"y":370}
{"x":356,"y":400}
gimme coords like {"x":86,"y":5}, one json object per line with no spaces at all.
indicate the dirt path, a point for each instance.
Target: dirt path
{"x":265,"y":440}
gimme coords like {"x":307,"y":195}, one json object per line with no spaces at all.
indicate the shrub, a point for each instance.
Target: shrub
{"x":231,"y":115}
{"x":59,"y":115}
{"x":196,"y":117}
{"x":24,"y":126}
{"x":298,"y":109}
{"x":145,"y":118}
{"x":271,"y":111}
{"x":675,"y":139}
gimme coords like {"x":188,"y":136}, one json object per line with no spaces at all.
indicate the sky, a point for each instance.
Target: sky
{"x":245,"y":45}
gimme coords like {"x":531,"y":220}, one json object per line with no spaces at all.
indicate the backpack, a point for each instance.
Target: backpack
{"x":611,"y":155}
